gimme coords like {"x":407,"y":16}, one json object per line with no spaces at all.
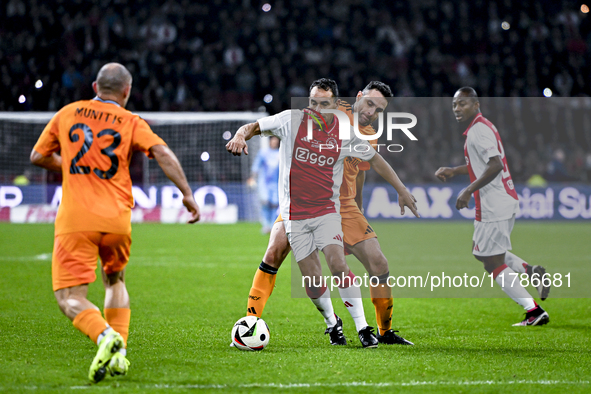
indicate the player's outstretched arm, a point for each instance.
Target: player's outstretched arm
{"x":493,"y":167}
{"x":238,"y":143}
{"x":51,"y":163}
{"x":444,"y":173}
{"x":387,"y":172}
{"x":174,"y":171}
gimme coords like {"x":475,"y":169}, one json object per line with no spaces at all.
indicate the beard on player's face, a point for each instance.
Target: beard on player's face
{"x":364,"y":120}
{"x":323,"y":99}
{"x":362,"y":106}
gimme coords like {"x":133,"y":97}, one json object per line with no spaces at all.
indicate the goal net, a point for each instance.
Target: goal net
{"x":198,"y":140}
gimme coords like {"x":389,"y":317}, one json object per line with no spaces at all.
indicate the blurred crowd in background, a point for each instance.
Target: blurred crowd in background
{"x":235,"y":55}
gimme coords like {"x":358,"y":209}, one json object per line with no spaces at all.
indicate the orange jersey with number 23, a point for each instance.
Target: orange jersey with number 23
{"x":96,"y":139}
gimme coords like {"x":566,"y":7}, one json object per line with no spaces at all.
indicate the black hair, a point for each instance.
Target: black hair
{"x":469,"y":92}
{"x":326,"y":84}
{"x":380,"y":87}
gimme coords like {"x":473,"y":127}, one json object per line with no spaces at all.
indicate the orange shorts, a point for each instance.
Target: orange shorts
{"x":355,"y":227}
{"x":279,"y":219}
{"x":75,"y":256}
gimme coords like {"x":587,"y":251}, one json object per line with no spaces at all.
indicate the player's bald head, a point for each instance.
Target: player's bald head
{"x":467,"y":91}
{"x":113,"y":78}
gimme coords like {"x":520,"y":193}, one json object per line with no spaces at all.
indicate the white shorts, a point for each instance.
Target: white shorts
{"x":492,"y":238}
{"x":305,"y":236}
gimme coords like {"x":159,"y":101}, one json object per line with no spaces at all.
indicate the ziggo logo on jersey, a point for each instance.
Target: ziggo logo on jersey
{"x":304,"y":155}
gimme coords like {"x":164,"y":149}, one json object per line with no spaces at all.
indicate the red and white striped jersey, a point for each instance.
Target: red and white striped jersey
{"x":311,"y":171}
{"x":498,"y":200}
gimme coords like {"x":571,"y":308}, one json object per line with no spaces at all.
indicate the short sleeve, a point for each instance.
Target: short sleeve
{"x":484,"y":140}
{"x":144,"y":138}
{"x":364,"y":166}
{"x":48,"y":141}
{"x":367,"y":130}
{"x":278,"y":125}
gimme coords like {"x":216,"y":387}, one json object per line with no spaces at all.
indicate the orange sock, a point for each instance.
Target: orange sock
{"x":118,"y":319}
{"x":381,"y":297}
{"x":91,"y":323}
{"x":262,"y":287}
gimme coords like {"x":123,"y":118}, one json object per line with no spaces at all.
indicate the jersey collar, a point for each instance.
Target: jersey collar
{"x":97,"y":98}
{"x":320,"y":123}
{"x":476,"y":118}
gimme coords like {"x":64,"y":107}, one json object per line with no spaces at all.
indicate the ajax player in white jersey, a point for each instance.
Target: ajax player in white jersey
{"x":310,"y":176}
{"x":496,"y":205}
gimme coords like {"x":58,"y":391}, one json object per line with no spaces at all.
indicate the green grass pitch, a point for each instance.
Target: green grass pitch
{"x":188,"y":285}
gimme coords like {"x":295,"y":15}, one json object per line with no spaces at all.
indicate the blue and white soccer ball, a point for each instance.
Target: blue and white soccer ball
{"x":250,"y":333}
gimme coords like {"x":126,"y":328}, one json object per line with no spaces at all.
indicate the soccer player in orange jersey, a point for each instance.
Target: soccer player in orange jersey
{"x":359,"y":237}
{"x":91,"y":143}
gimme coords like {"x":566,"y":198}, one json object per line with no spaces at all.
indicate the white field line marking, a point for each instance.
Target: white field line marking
{"x":344,"y":384}
{"x":39,"y":257}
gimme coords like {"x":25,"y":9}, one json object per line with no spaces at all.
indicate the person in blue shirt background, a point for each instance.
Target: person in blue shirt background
{"x":265,"y":170}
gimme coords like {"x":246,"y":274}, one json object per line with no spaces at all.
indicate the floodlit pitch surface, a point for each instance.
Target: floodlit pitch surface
{"x":188,"y":285}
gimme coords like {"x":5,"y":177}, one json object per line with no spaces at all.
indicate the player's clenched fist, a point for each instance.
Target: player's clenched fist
{"x":237,"y":145}
{"x":463,"y":199}
{"x":244,"y":133}
{"x":192,"y":207}
{"x":444,"y":173}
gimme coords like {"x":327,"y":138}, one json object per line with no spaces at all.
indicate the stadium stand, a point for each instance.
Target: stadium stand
{"x":228,"y":55}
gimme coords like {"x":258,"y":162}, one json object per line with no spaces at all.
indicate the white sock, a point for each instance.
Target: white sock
{"x":351,"y":296}
{"x":517,"y":292}
{"x":102,"y":335}
{"x":516,"y":263}
{"x":324,"y":306}
{"x":123,"y":351}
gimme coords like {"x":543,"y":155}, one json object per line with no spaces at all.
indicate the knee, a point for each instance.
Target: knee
{"x":485,"y":265}
{"x":63,"y":305}
{"x":67,"y":304}
{"x":489,"y":266}
{"x":274,"y":256}
{"x":338,"y":267}
{"x":114,"y":278}
{"x":379,"y":266}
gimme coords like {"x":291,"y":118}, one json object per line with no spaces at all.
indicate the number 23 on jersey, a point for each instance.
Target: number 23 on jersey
{"x":81,"y":129}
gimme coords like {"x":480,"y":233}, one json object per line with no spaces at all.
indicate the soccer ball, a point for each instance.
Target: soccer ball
{"x":250,"y":333}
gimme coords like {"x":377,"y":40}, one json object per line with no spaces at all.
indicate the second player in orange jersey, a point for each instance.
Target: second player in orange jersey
{"x":359,"y":237}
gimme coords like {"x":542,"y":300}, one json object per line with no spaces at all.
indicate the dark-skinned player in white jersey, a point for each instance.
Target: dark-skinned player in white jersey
{"x":496,"y":205}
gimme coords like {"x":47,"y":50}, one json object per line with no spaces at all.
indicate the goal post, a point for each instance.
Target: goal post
{"x":217,"y":178}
